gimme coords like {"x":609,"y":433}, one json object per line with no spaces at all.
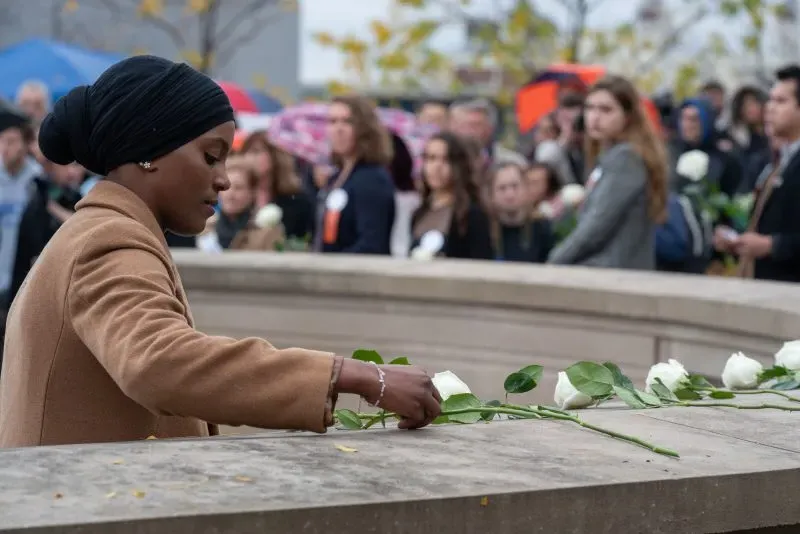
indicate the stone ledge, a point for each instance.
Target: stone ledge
{"x":743,"y":306}
{"x":738,"y":471}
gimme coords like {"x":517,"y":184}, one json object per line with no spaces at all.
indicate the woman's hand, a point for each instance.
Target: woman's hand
{"x":409,"y":391}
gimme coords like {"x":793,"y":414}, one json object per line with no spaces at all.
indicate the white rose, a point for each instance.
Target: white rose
{"x":422,"y":254}
{"x":672,"y":373}
{"x":546,"y":210}
{"x":789,"y":355}
{"x":572,"y":194}
{"x":693,"y":165}
{"x":269,"y":216}
{"x":744,"y":202}
{"x":741,"y":372}
{"x":567,"y":397}
{"x":447,"y":383}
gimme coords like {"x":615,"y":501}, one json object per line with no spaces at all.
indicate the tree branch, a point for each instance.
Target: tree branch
{"x":670,"y":42}
{"x":225,"y":51}
{"x":170,"y":29}
{"x":244,"y":14}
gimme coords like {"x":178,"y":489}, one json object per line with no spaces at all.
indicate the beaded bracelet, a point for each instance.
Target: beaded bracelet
{"x":382,"y":380}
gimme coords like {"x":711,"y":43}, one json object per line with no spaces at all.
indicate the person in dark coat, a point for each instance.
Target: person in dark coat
{"x":696,"y":132}
{"x":355,"y":212}
{"x":52,"y":201}
{"x":450,"y":221}
{"x":518,"y":233}
{"x":770,"y":248}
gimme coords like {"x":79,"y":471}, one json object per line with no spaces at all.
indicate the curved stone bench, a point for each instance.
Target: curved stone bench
{"x":739,"y":469}
{"x":483,"y":320}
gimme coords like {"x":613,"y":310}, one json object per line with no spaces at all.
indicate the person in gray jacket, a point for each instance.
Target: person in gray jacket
{"x":626,"y":190}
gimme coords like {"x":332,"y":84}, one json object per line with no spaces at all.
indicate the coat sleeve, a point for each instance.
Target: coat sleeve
{"x":623,"y":183}
{"x":374,"y":200}
{"x":480,"y":240}
{"x":123,"y":306}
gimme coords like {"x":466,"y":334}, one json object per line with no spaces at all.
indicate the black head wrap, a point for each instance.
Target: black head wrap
{"x":140,"y":109}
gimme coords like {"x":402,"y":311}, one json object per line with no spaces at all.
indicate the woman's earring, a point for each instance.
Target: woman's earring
{"x":145,"y":165}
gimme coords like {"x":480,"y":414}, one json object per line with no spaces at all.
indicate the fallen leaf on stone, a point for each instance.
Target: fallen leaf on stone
{"x":58,"y":496}
{"x":242,"y":478}
{"x":484,"y":501}
{"x":345,"y":449}
{"x":138,"y":494}
{"x":111,"y":495}
{"x":118,"y":462}
{"x":151,"y":437}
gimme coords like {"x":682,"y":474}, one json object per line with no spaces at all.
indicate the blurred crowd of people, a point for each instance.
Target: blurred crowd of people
{"x":709,"y":189}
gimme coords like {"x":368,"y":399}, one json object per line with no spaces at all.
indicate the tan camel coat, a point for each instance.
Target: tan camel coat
{"x":100,"y":345}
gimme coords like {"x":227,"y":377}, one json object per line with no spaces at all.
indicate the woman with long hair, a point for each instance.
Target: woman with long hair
{"x":627,"y":184}
{"x":356,"y":207}
{"x":279,"y":184}
{"x":450,"y":221}
{"x":100,"y":341}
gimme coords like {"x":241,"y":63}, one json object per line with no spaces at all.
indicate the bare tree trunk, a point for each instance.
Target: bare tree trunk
{"x":208,"y":36}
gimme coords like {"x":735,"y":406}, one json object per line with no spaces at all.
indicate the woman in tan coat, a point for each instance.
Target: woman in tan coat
{"x":100,"y":343}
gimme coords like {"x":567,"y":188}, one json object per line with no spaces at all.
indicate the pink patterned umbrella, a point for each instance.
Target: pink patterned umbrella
{"x":301,"y":131}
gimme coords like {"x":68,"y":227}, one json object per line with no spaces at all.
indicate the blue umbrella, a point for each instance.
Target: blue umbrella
{"x":60,"y":66}
{"x":265,"y":103}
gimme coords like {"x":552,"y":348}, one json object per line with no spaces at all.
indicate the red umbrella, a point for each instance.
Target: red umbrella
{"x":239,"y":97}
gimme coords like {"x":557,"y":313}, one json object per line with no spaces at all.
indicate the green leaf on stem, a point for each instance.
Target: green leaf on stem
{"x":442,"y":419}
{"x":402,"y":360}
{"x":721,"y":395}
{"x":519,"y":383}
{"x":662,"y":391}
{"x":534,"y":371}
{"x":687,"y":394}
{"x":619,"y":378}
{"x":462,"y":401}
{"x":349,"y":419}
{"x":647,"y":398}
{"x":773,"y":372}
{"x":629,"y":398}
{"x":488,"y":416}
{"x":523,"y":380}
{"x":786,"y":384}
{"x":699,"y":381}
{"x":591,"y":378}
{"x":366,"y":355}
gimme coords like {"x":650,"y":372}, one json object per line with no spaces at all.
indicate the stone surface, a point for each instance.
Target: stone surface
{"x":483,"y":320}
{"x":738,"y":470}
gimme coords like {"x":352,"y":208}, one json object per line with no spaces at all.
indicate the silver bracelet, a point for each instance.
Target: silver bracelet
{"x":382,"y":380}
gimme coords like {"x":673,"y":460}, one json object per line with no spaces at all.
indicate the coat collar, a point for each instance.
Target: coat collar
{"x":113,"y":196}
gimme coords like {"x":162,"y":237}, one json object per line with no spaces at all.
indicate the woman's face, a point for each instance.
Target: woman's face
{"x":238,"y":198}
{"x":508,"y":191}
{"x":435,"y":166}
{"x":752,"y":111}
{"x":605,"y":119}
{"x":185,"y":184}
{"x":341,"y":132}
{"x":261,"y":158}
{"x":537,"y":185}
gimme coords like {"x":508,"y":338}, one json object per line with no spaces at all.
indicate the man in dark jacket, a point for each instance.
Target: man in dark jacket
{"x":770,"y":248}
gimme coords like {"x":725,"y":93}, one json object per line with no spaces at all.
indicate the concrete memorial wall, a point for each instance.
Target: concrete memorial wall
{"x":739,"y":470}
